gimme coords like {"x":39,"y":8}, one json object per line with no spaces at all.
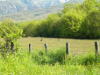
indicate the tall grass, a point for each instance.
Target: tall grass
{"x":53,"y":63}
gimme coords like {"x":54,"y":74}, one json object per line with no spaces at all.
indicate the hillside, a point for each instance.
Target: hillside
{"x":29,"y":15}
{"x":18,"y":9}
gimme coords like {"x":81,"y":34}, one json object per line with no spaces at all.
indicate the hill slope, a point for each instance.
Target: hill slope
{"x":18,"y":8}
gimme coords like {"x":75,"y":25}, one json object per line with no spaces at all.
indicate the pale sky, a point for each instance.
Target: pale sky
{"x":63,"y":1}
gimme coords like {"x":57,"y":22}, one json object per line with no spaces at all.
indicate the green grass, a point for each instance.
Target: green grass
{"x":80,"y":61}
{"x":37,"y":64}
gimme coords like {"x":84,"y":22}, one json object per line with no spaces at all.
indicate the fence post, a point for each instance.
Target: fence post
{"x":12,"y":46}
{"x":41,"y":39}
{"x":29,"y":48}
{"x":96,"y":49}
{"x":67,"y":48}
{"x":7,"y":45}
{"x":46,"y":48}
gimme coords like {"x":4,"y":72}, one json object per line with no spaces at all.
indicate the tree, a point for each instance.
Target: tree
{"x":89,"y":5}
{"x":91,"y":25}
{"x":71,"y":22}
{"x":9,"y":32}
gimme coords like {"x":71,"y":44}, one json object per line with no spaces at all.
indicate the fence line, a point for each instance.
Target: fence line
{"x":96,"y":45}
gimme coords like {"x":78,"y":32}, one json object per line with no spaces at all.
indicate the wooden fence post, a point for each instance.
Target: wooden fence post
{"x":67,"y":48}
{"x":46,"y":48}
{"x":7,"y":45}
{"x":41,"y":39}
{"x":96,"y":49}
{"x":29,"y":48}
{"x":12,"y":46}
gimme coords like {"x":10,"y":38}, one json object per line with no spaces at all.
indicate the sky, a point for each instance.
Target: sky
{"x":63,"y":1}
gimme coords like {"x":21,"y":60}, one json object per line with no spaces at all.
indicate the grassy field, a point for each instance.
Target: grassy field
{"x":36,"y":64}
{"x":76,"y":46}
{"x":53,"y":63}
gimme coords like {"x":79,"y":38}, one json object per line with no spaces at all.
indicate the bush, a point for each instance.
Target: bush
{"x":9,"y":32}
{"x":50,"y":58}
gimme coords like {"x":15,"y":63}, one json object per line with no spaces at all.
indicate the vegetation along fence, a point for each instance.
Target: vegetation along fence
{"x":68,"y":49}
{"x":96,"y":45}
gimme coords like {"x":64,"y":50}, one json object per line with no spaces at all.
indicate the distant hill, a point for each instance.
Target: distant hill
{"x":29,"y":15}
{"x":20,"y":9}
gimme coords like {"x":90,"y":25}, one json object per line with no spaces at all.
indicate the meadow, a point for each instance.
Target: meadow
{"x":77,"y":46}
{"x":80,"y":61}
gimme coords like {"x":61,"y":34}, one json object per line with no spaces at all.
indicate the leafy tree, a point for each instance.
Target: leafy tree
{"x":9,"y":32}
{"x":30,"y":28}
{"x":71,"y":22}
{"x":76,"y":21}
{"x":46,"y":26}
{"x":91,"y":25}
{"x":89,"y":5}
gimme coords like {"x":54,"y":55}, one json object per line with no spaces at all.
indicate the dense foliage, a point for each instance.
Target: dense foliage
{"x":9,"y":30}
{"x":75,"y":21}
{"x":9,"y":33}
